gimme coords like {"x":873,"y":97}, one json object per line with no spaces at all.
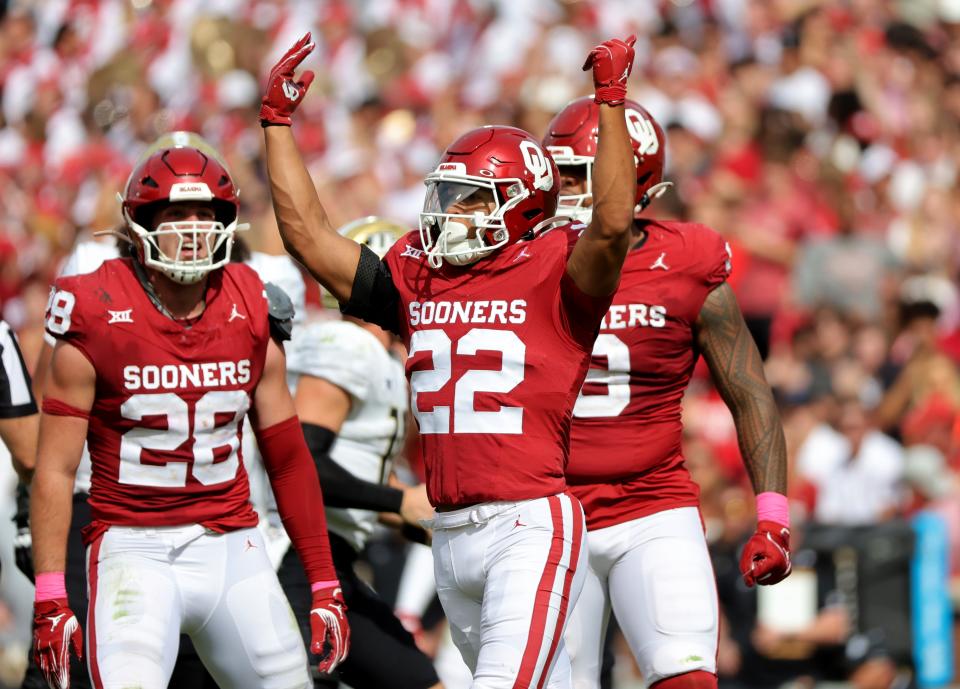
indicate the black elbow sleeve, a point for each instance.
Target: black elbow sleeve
{"x":374,"y":298}
{"x":341,"y":488}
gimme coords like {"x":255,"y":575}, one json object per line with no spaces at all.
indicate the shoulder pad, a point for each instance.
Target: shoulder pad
{"x":281,"y":312}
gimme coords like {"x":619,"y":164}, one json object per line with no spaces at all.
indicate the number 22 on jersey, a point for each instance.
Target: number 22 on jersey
{"x":463,"y":414}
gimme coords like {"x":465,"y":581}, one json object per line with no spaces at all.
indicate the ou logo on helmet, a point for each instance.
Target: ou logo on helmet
{"x":642,"y":131}
{"x":537,"y":164}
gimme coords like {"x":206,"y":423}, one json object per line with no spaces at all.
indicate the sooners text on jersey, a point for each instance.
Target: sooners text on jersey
{"x":625,"y":448}
{"x":164,"y":433}
{"x":497,"y":355}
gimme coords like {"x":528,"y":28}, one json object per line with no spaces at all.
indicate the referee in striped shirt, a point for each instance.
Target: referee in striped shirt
{"x":18,"y":408}
{"x":19,"y":424}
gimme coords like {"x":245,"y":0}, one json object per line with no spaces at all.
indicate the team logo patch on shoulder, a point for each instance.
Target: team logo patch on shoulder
{"x":120,"y":316}
{"x":412,"y":252}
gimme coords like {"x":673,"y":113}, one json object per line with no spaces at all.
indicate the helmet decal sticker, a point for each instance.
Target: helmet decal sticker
{"x":537,"y":164}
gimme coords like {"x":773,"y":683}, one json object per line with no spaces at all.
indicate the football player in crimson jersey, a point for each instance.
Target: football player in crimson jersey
{"x":499,"y":321}
{"x":158,"y":360}
{"x":647,"y":552}
{"x":351,"y":397}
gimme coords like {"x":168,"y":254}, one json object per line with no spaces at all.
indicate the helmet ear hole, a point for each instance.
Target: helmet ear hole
{"x":533,"y":213}
{"x":149,"y":182}
{"x":226,"y":213}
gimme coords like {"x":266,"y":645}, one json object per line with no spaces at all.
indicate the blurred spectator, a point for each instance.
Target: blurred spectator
{"x":856,"y":470}
{"x":847,"y":272}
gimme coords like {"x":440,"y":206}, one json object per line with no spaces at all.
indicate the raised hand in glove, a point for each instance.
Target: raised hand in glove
{"x":283,"y":94}
{"x":611,"y":62}
{"x":329,"y":630}
{"x":766,"y":556}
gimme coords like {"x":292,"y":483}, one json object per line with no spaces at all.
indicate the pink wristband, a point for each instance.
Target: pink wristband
{"x":773,"y":507}
{"x":317,"y":585}
{"x":50,"y":585}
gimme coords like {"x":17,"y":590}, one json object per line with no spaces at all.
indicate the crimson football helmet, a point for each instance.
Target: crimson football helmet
{"x":572,"y":140}
{"x":181,"y":167}
{"x":521,"y":176}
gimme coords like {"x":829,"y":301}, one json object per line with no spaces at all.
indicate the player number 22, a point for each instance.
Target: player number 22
{"x":506,"y":420}
{"x":208,"y":436}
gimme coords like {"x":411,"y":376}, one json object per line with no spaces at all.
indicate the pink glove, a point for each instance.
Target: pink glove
{"x":329,"y":630}
{"x":55,"y":630}
{"x":283,"y":94}
{"x":611,"y":62}
{"x":766,"y":556}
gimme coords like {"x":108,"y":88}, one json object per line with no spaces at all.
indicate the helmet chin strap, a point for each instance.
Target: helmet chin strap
{"x":141,"y":272}
{"x":654,"y":192}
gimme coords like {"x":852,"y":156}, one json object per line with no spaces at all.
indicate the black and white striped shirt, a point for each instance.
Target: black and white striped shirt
{"x":16,"y":396}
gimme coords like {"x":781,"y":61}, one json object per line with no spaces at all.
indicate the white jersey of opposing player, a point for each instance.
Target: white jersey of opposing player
{"x":86,"y":257}
{"x":354,"y":360}
{"x":283,"y":272}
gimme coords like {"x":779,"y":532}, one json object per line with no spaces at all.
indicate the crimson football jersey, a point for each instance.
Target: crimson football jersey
{"x":625,"y":447}
{"x":497,"y":354}
{"x":164,"y":432}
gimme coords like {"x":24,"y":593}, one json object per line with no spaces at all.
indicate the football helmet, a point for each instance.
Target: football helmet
{"x":572,"y":141}
{"x":181,"y":167}
{"x":379,"y":234}
{"x":521,"y":177}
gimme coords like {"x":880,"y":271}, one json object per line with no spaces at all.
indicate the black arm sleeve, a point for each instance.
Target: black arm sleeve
{"x":374,"y":297}
{"x":340,"y":487}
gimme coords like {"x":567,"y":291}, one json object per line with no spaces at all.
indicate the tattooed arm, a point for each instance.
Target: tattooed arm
{"x":737,"y":370}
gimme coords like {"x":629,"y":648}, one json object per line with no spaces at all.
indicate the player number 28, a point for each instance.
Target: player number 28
{"x":208,"y":436}
{"x":466,"y":419}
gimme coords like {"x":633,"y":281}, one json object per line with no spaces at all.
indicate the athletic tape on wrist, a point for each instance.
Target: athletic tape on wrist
{"x":773,"y":507}
{"x":317,"y":585}
{"x":50,"y":586}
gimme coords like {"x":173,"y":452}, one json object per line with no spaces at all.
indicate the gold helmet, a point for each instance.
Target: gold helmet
{"x":379,"y":234}
{"x":183,"y":139}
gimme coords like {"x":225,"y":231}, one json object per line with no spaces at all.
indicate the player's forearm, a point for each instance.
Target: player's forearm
{"x":59,"y":448}
{"x":598,"y":255}
{"x":340,"y":488}
{"x":614,"y":178}
{"x":304,"y":226}
{"x":296,"y":488}
{"x":762,"y":444}
{"x":51,"y":508}
{"x":737,"y":371}
{"x":20,"y":437}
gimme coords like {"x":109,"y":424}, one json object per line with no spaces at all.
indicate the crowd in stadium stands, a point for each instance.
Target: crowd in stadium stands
{"x":822,"y":139}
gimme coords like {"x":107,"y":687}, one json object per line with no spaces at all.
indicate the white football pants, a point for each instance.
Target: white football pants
{"x":508,"y":574}
{"x":149,"y":585}
{"x":657,"y":573}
